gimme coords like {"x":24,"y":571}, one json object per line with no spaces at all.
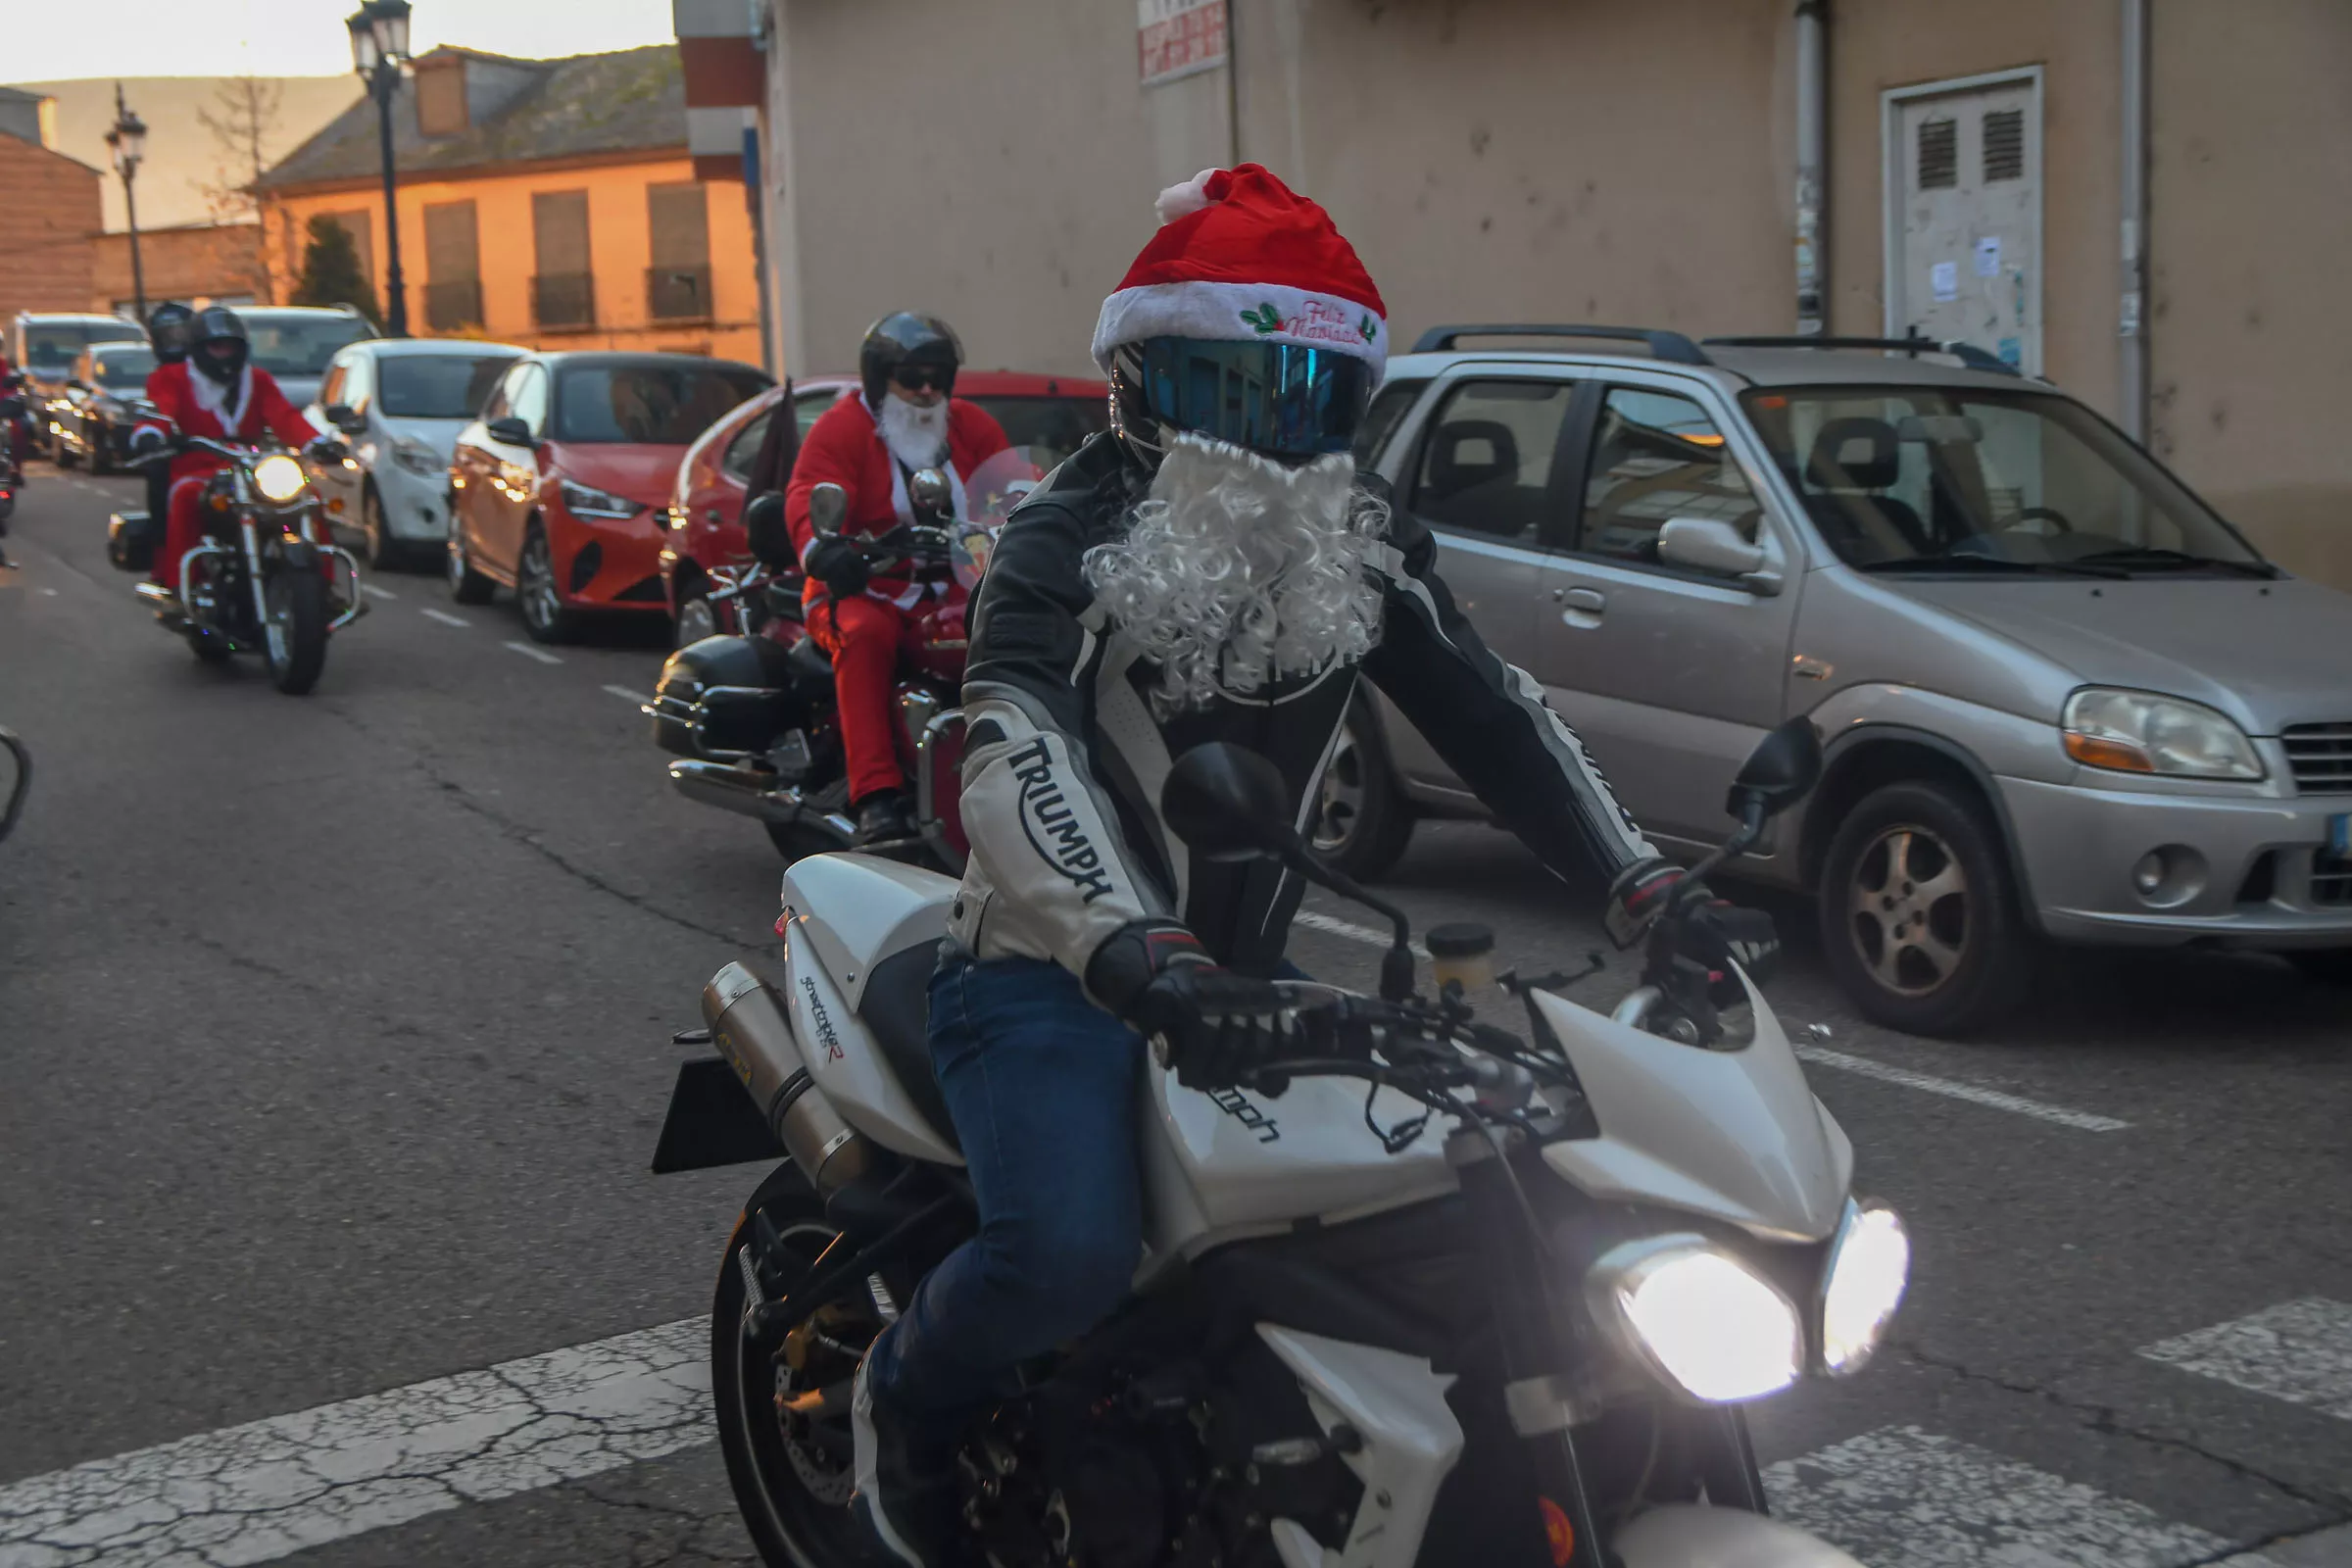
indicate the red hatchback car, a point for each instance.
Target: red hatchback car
{"x":1051,"y":413}
{"x":557,"y":487}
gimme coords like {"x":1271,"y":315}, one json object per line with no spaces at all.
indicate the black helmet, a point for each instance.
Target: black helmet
{"x":904,"y":338}
{"x":218,"y":345}
{"x":1281,"y":400}
{"x":167,"y":328}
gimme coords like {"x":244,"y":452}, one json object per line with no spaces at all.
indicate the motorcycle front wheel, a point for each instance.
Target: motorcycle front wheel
{"x":294,"y":638}
{"x":792,"y":1473}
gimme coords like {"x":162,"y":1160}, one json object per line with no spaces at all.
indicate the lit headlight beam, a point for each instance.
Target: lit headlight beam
{"x":1870,"y":1265}
{"x":280,"y":478}
{"x":1704,"y":1321}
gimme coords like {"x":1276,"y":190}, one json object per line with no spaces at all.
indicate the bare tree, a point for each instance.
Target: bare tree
{"x":243,"y":120}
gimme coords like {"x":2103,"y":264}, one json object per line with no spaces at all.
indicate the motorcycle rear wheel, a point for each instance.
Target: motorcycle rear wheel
{"x":792,"y":1479}
{"x":294,"y":639}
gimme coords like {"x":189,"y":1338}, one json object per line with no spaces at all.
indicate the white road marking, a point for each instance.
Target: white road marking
{"x":268,"y":1490}
{"x":1974,"y":1094}
{"x":381,"y":593}
{"x":445,"y":617}
{"x":1350,"y":930}
{"x":1900,"y":1497}
{"x":50,"y":592}
{"x":628,"y":696}
{"x":528,"y":652}
{"x":2300,"y":1352}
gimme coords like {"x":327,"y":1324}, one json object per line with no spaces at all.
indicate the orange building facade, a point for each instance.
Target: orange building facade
{"x":555,"y":235}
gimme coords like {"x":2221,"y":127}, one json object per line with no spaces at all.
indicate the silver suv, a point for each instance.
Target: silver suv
{"x":2061,"y":698}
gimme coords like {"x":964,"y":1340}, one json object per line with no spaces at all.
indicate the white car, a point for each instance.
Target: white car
{"x":400,"y":403}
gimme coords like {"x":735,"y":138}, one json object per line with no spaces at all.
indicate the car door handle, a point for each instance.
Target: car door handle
{"x":1589,"y":600}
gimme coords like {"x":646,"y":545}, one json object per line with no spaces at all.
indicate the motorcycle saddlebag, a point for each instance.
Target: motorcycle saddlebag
{"x":725,"y":694}
{"x":131,"y":538}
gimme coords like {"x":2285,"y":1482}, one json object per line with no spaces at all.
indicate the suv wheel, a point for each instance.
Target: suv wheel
{"x":1362,"y":821}
{"x":1919,"y":915}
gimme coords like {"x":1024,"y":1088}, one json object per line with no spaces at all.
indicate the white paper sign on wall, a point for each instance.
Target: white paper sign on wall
{"x":1178,"y":37}
{"x":1989,"y":256}
{"x":1944,"y":279}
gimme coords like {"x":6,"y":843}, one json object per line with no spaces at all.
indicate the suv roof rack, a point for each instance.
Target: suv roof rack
{"x":1968,"y":354}
{"x":1673,"y":346}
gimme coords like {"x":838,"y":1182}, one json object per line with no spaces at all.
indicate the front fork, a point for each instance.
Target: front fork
{"x":1549,"y":1352}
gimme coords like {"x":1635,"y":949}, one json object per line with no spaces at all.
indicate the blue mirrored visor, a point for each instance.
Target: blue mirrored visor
{"x":1274,"y":398}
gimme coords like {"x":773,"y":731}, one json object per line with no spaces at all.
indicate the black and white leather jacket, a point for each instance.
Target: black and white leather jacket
{"x":1064,"y":753}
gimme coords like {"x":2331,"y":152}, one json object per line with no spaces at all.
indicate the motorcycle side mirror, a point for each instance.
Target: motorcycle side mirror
{"x":1227,"y":802}
{"x":928,"y":491}
{"x":828,"y":508}
{"x":1780,"y":772}
{"x":344,"y":417}
{"x":510,"y":431}
{"x":770,"y":537}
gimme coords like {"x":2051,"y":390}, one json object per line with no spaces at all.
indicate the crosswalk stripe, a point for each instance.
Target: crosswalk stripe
{"x":263,"y":1490}
{"x":2300,"y":1352}
{"x":1900,"y":1497}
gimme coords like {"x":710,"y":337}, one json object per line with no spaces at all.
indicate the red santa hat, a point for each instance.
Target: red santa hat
{"x":1240,"y":254}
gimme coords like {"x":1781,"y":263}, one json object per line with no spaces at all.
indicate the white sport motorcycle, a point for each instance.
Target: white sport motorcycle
{"x":1455,"y":1297}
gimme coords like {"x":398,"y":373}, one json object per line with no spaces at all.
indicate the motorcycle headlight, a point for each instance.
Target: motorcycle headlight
{"x":418,"y":458}
{"x":278,"y":477}
{"x":1870,"y":1263}
{"x":1706,"y":1321}
{"x":2141,"y":732}
{"x":586,"y":501}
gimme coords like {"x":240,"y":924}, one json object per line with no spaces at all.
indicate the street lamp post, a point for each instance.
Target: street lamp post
{"x":380,"y":46}
{"x":127,"y":140}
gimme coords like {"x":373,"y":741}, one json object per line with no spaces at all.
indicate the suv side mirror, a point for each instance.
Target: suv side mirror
{"x":769,"y":535}
{"x":510,"y":431}
{"x":1709,"y":544}
{"x":828,"y":508}
{"x":348,"y":419}
{"x":1780,"y":772}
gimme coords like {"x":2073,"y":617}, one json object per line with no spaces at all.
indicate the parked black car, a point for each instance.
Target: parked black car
{"x":105,"y":396}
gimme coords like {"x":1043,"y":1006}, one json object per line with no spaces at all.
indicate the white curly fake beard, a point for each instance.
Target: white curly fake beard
{"x":1236,"y":571}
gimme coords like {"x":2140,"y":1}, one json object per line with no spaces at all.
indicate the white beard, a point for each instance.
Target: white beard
{"x":1236,"y":570}
{"x":916,"y":437}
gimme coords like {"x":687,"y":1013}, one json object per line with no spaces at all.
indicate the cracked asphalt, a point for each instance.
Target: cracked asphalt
{"x":335,"y":1041}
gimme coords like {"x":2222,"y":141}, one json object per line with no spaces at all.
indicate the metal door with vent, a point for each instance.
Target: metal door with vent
{"x":1963,"y":204}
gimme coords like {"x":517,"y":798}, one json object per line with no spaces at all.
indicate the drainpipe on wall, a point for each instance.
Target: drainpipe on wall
{"x":1812,"y":116}
{"x":2132,"y":321}
{"x":1233,"y":90}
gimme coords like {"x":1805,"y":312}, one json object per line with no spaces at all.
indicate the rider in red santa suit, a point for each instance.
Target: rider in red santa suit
{"x":907,"y":420}
{"x":216,"y":392}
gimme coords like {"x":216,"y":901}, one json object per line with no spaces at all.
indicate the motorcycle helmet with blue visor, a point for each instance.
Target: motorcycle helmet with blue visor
{"x":1284,"y":401}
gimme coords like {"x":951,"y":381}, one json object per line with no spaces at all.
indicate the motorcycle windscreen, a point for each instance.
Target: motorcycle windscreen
{"x":990,"y":493}
{"x":1734,"y":1135}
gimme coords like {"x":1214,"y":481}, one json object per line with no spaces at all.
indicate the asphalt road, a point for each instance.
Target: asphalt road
{"x":334,"y":1039}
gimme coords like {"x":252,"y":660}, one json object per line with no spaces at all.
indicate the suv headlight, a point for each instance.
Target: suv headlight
{"x":418,"y":459}
{"x":2140,"y":732}
{"x":1706,"y":1321}
{"x":586,"y":501}
{"x":1869,"y":1264}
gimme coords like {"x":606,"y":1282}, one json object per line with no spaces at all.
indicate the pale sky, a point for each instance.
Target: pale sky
{"x":45,"y":42}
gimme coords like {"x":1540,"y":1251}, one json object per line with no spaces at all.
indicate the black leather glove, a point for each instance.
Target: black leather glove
{"x":1719,"y":935}
{"x":1215,"y":1028}
{"x":837,"y":564}
{"x":147,"y":439}
{"x":1640,"y":894}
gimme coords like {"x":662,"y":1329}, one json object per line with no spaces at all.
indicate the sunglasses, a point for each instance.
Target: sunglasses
{"x":918,"y":378}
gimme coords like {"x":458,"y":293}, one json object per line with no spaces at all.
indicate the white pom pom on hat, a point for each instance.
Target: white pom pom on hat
{"x":1239,"y":256}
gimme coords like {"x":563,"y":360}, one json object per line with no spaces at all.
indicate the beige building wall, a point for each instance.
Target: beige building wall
{"x":1540,"y":160}
{"x":1902,"y":43}
{"x":2250,"y":228}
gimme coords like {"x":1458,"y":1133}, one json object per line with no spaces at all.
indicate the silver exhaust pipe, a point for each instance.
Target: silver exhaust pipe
{"x":752,"y":793}
{"x":157,"y":595}
{"x":752,"y":1030}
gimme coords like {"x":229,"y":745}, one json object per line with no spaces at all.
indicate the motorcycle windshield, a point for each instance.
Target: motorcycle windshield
{"x":990,"y":493}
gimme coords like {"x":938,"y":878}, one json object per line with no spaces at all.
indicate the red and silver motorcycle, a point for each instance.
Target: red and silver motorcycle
{"x":752,"y":718}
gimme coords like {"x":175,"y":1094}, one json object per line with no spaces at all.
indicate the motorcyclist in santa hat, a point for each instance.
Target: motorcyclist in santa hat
{"x":1212,"y":568}
{"x":218,"y":392}
{"x":167,"y":328}
{"x":907,"y":419}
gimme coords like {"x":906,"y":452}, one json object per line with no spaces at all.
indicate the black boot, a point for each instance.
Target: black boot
{"x":882,"y":821}
{"x":907,"y":1486}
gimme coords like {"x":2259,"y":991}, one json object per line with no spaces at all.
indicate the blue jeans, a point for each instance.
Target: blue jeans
{"x":1042,"y":1085}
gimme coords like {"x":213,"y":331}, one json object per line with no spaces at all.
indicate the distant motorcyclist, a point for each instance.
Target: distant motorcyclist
{"x":217,"y":392}
{"x":907,"y":419}
{"x":167,"y":328}
{"x":1212,"y":569}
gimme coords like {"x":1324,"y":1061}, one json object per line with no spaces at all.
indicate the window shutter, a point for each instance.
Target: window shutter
{"x":2004,"y":145}
{"x":1938,"y":154}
